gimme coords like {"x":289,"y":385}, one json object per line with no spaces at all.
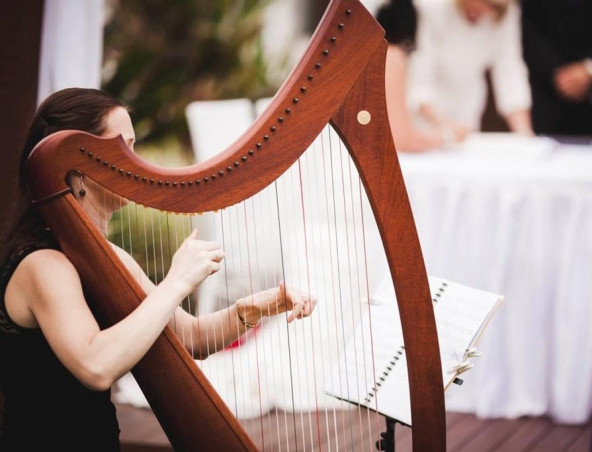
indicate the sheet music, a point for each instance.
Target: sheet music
{"x":372,"y":371}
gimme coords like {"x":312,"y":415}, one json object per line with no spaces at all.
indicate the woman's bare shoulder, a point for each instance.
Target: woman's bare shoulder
{"x":45,"y":267}
{"x":43,"y":277}
{"x":47,"y":258}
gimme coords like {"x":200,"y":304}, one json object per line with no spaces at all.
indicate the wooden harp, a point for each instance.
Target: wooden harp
{"x":339,"y":81}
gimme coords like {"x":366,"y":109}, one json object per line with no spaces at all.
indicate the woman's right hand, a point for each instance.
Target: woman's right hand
{"x":194,"y":261}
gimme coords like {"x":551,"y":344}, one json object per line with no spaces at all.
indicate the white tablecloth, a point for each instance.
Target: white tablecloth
{"x":514,"y":216}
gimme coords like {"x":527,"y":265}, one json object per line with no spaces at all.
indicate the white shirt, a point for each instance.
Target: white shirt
{"x":447,"y":69}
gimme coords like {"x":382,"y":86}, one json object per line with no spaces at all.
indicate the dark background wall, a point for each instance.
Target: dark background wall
{"x":20,"y":35}
{"x":20,"y":38}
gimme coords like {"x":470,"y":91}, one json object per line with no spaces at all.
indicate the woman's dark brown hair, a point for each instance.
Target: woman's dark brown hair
{"x":69,"y":109}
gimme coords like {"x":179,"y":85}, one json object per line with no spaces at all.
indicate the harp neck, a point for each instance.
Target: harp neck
{"x":339,"y":51}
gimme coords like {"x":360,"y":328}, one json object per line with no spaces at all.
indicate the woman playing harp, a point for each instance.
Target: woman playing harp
{"x":56,"y":364}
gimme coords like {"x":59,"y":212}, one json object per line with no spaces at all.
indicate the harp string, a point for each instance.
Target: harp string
{"x":292,"y":268}
{"x":309,"y":290}
{"x":312,"y":238}
{"x":242,"y":269}
{"x":363,"y":283}
{"x":327,"y":154}
{"x":252,"y":290}
{"x":340,"y":296}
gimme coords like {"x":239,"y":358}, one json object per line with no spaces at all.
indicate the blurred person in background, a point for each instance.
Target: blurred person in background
{"x":557,"y":40}
{"x":399,"y":20}
{"x":458,"y":41}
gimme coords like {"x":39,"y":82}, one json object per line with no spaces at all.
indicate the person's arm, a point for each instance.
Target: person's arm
{"x":50,"y":288}
{"x":547,"y":64}
{"x":509,"y":75}
{"x":212,"y":332}
{"x":421,"y":62}
{"x":209,"y":333}
{"x":421,"y":95}
{"x":519,"y":121}
{"x":407,"y":137}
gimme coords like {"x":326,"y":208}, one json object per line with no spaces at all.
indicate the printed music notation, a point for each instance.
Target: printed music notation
{"x":372,"y":371}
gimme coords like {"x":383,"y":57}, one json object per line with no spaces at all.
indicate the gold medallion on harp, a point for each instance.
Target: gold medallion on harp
{"x":364,"y":117}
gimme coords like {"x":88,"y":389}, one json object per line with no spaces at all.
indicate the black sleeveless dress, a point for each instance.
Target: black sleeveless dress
{"x":45,"y":407}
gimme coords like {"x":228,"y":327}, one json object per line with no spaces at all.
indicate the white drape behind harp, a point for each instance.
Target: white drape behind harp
{"x":71,"y":45}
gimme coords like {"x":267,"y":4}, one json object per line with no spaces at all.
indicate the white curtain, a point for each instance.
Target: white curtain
{"x":71,"y":45}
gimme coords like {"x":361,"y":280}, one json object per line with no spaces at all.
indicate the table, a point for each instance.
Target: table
{"x":513,"y":215}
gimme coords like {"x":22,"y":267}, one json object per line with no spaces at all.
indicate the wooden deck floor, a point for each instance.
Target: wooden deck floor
{"x":140,"y":432}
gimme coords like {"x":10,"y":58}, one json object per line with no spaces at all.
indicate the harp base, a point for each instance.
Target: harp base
{"x":387,"y":441}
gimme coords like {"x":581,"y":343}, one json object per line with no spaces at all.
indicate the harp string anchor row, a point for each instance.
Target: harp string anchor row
{"x":364,"y":117}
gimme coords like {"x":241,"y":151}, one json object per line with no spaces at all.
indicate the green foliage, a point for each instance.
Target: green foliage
{"x":151,"y":237}
{"x":162,"y":54}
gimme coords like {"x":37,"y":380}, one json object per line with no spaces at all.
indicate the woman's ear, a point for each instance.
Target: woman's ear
{"x":75,"y":181}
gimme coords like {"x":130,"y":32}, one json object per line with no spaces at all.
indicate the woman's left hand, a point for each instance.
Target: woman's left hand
{"x":275,"y":301}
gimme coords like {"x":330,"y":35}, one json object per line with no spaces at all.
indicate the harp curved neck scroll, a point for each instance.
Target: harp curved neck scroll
{"x":340,"y":80}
